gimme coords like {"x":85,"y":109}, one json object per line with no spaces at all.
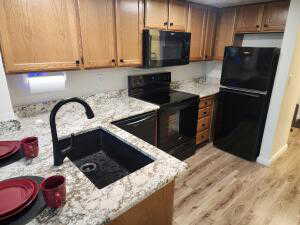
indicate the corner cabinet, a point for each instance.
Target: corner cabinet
{"x":97,"y":21}
{"x":37,"y":36}
{"x":275,"y":15}
{"x":166,"y":14}
{"x":267,"y":17}
{"x":249,"y":18}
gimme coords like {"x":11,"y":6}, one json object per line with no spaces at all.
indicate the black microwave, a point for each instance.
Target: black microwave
{"x":165,"y":48}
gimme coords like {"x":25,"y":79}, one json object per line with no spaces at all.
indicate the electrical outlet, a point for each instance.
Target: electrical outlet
{"x":100,"y":77}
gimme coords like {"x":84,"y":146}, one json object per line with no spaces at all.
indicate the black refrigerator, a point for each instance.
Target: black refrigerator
{"x":242,"y":104}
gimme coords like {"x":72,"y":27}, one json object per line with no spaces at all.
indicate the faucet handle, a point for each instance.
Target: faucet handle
{"x":72,"y":140}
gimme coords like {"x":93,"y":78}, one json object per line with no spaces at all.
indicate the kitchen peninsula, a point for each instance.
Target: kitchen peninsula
{"x":85,"y":203}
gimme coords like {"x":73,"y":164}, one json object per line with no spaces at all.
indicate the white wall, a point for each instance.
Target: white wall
{"x":287,"y":110}
{"x":263,"y":40}
{"x":85,"y":82}
{"x":287,"y":52}
{"x":6,"y":111}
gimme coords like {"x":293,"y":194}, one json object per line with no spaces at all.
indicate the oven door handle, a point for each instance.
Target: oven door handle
{"x":179,"y":106}
{"x":139,"y":121}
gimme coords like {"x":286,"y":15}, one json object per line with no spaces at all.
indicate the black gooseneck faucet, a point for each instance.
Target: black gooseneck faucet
{"x":60,"y":154}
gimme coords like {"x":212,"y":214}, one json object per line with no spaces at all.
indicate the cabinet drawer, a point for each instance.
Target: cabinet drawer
{"x":204,"y":112}
{"x":204,"y":103}
{"x":203,"y":123}
{"x":202,"y":137}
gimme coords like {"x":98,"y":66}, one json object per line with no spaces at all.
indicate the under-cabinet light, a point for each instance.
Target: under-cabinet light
{"x":42,"y":82}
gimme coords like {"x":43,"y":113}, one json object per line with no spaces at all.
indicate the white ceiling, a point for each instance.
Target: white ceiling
{"x":225,"y":3}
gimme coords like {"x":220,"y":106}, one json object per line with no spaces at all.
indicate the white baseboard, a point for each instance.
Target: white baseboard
{"x":279,"y":153}
{"x":263,"y":161}
{"x":268,"y":161}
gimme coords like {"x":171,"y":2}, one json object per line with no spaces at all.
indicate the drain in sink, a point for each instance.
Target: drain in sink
{"x":88,"y":167}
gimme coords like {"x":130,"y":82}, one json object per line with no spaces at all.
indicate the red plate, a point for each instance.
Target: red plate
{"x":15,"y":195}
{"x":7,"y":148}
{"x":28,"y":203}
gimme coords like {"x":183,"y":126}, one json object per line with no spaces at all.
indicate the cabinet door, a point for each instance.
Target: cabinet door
{"x":129,"y":21}
{"x":156,"y":14}
{"x":275,"y":15}
{"x":210,"y":32}
{"x":97,"y":21}
{"x":196,"y":25}
{"x":225,"y":31}
{"x":39,"y":35}
{"x":249,"y":18}
{"x":178,"y":15}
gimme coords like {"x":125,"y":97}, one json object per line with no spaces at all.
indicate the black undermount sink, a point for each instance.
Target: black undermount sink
{"x":103,"y":158}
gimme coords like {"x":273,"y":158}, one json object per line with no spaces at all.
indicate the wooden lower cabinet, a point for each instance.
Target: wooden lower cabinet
{"x":157,"y":209}
{"x":205,"y":116}
{"x":203,"y":123}
{"x":204,"y":112}
{"x":204,"y":102}
{"x":202,"y":136}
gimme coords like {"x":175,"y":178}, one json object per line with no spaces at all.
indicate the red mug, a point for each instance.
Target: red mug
{"x":54,"y":191}
{"x":30,"y":146}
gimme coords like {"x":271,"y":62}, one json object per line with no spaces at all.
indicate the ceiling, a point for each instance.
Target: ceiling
{"x":225,"y":3}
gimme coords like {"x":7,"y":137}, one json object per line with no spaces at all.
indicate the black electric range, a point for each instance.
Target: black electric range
{"x":177,"y":116}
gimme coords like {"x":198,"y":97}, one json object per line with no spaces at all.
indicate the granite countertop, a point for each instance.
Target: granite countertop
{"x":197,"y":87}
{"x":85,"y":203}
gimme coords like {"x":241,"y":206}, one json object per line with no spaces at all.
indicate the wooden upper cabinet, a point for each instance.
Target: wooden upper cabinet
{"x":97,"y":21}
{"x":39,"y":35}
{"x":156,"y":14}
{"x":210,"y":32}
{"x":225,"y":31}
{"x":249,"y":18}
{"x":275,"y":15}
{"x":196,"y":24}
{"x":178,"y":15}
{"x":129,"y":27}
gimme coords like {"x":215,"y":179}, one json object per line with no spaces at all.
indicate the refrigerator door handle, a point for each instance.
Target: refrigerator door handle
{"x":241,"y":93}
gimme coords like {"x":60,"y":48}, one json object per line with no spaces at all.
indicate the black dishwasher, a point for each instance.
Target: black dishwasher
{"x":143,"y":126}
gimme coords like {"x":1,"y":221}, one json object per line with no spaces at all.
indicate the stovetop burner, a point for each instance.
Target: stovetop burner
{"x":155,"y":88}
{"x":166,"y":97}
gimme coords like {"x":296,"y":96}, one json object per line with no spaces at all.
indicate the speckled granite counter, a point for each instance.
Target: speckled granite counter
{"x":85,"y":203}
{"x":197,"y":87}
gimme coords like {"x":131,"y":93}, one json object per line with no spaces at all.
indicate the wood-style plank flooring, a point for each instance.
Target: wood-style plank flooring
{"x":222,"y":189}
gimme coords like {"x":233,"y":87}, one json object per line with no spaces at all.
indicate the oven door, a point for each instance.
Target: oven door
{"x":165,"y":48}
{"x":177,"y":129}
